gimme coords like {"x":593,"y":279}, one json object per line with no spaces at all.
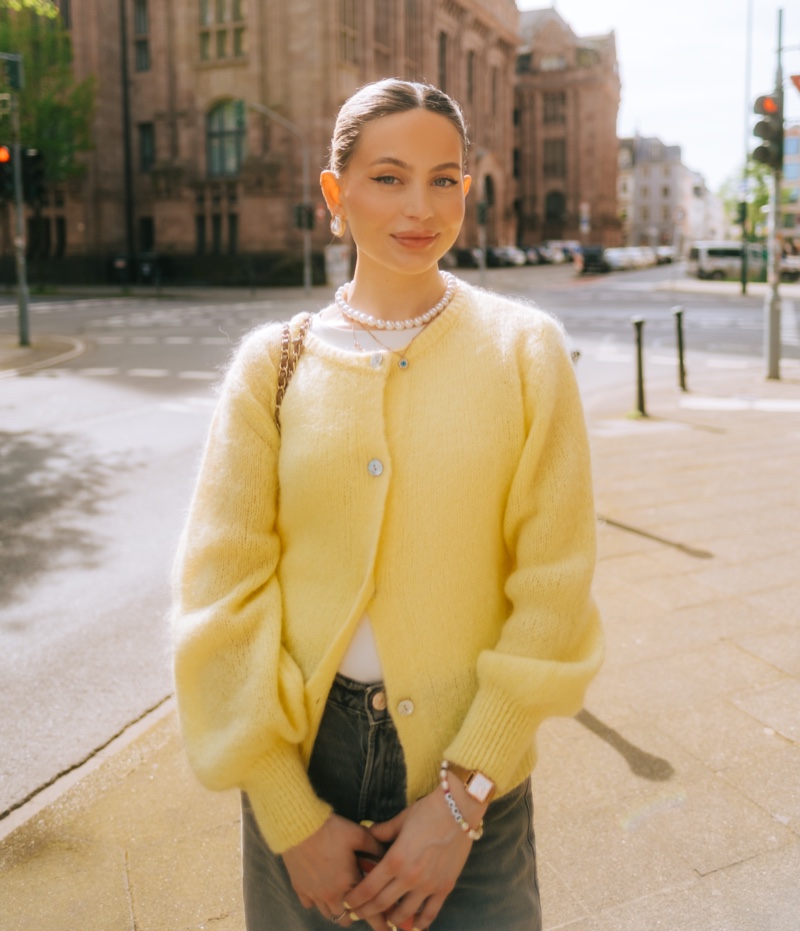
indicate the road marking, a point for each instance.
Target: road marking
{"x":143,"y":340}
{"x":178,"y":340}
{"x":728,"y":363}
{"x":768,"y":405}
{"x":199,"y":376}
{"x":108,"y":340}
{"x":216,"y":341}
{"x":98,"y":373}
{"x":147,"y":373}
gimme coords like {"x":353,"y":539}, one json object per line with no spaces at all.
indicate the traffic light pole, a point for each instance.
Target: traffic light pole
{"x":772,"y":301}
{"x":19,"y":238}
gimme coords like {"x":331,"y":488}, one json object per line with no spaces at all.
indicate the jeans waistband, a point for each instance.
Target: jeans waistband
{"x":364,"y":698}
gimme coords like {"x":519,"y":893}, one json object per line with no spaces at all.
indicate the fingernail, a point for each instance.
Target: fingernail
{"x":354,"y":917}
{"x":345,"y":904}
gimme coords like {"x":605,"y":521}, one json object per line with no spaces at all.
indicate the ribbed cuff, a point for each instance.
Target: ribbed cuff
{"x":285,"y":805}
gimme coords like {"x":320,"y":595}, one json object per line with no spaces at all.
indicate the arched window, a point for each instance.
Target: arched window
{"x":225,"y":139}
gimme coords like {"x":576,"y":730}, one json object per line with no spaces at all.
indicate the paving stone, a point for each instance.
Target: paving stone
{"x":778,"y":645}
{"x":776,"y":705}
{"x":773,"y":781}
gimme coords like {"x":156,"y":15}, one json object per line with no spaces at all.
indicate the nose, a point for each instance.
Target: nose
{"x":418,"y":204}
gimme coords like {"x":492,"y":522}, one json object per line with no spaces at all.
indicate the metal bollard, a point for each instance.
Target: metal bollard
{"x":638,"y":323}
{"x":678,"y":313}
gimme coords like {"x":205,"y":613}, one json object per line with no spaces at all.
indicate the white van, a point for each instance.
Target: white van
{"x":721,"y":260}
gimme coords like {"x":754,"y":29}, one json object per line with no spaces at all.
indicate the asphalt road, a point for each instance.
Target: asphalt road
{"x":98,"y":457}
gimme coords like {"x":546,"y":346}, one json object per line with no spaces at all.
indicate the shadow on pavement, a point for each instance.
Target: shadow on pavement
{"x":49,"y":485}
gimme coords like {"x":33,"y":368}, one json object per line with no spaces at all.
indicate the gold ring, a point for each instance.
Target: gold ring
{"x":339,"y":918}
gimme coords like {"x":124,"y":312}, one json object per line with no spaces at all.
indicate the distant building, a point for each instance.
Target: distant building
{"x":208,"y":177}
{"x":565,"y":158}
{"x":790,"y":210}
{"x":661,"y":201}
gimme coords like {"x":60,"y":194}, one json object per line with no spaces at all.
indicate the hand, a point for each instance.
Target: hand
{"x":428,"y":851}
{"x":323,"y":867}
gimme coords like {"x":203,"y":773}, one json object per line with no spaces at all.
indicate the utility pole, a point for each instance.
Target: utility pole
{"x":14,"y":70}
{"x":772,"y":302}
{"x":770,"y":153}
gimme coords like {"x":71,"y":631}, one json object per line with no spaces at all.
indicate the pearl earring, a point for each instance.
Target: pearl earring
{"x":338,"y":225}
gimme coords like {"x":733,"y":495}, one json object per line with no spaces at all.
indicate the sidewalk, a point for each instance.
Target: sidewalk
{"x":672,"y":802}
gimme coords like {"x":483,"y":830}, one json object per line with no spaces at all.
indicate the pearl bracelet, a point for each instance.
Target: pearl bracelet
{"x":472,"y":833}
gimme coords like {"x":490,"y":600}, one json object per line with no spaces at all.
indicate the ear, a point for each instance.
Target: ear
{"x":467,"y":184}
{"x":331,"y":190}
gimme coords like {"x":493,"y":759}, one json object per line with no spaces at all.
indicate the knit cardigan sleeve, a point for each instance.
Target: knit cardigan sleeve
{"x":240,"y":695}
{"x":551,"y":644}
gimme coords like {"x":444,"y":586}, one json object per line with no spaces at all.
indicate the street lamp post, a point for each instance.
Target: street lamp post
{"x":296,"y":131}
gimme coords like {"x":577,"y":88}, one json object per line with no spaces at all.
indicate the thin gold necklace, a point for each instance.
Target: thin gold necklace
{"x":402,"y":362}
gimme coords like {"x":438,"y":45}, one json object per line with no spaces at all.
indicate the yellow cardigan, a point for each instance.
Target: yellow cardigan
{"x":452,"y":499}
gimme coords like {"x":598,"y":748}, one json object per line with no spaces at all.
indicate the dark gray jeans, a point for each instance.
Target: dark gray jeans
{"x":357,"y":766}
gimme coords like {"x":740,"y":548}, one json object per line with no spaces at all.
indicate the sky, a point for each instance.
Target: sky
{"x":683,"y":70}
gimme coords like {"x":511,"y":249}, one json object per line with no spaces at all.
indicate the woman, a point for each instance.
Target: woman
{"x":382,"y":592}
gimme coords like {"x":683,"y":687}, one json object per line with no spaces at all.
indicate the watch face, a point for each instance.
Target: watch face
{"x":480,"y":787}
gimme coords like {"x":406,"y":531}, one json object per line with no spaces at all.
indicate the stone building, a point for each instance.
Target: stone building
{"x":662,"y":201}
{"x":790,"y":211}
{"x":183,"y":167}
{"x":565,"y":158}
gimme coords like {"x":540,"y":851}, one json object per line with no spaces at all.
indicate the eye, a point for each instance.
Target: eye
{"x":388,"y":180}
{"x":445,"y":182}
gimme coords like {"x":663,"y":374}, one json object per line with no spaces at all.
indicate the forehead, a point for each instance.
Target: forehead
{"x":416,"y":136}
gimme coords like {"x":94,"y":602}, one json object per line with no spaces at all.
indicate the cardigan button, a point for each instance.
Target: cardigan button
{"x":376,"y":360}
{"x":375,"y":467}
{"x":405,"y":707}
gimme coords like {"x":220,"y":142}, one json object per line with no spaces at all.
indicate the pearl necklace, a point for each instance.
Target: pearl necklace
{"x":367,"y":320}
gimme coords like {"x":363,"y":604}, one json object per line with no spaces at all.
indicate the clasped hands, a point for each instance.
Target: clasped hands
{"x":422,"y":852}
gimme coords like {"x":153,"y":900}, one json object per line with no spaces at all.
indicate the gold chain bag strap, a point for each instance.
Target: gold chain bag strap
{"x":290,"y":353}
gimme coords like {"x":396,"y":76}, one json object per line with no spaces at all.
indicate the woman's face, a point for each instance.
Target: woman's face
{"x":403,"y":191}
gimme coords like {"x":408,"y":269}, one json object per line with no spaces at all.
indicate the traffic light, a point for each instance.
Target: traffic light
{"x":6,"y":174}
{"x":770,"y":129}
{"x":32,"y":176}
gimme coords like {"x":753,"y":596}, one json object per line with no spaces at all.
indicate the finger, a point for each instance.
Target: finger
{"x":429,"y":911}
{"x":304,"y":900}
{"x":367,"y":842}
{"x":385,"y":900}
{"x":406,"y":909}
{"x":387,"y":831}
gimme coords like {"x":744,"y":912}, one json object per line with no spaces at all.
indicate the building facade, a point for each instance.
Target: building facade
{"x":790,"y":209}
{"x":661,"y":201}
{"x":184,"y":166}
{"x":565,"y":158}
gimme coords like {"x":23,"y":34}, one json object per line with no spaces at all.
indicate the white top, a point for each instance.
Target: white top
{"x":361,"y":661}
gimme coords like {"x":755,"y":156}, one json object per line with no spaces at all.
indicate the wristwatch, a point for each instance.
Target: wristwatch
{"x":478,"y":786}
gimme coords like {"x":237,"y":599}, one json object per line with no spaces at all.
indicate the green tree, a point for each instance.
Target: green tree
{"x":56,"y":111}
{"x":757,"y":198}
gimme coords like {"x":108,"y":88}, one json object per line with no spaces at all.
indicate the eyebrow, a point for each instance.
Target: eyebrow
{"x":388,"y":160}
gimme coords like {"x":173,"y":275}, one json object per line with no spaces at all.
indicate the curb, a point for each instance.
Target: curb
{"x":78,"y":347}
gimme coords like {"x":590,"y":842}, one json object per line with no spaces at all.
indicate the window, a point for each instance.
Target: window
{"x":553,"y":63}
{"x":555,"y":160}
{"x":516,"y":163}
{"x":61,"y":237}
{"x":666,"y":191}
{"x":147,"y":147}
{"x":223,"y":34}
{"x":383,"y":36}
{"x":443,"y":61}
{"x":791,"y":171}
{"x":225,"y":138}
{"x":200,"y":233}
{"x":495,"y":108}
{"x":348,"y":32}
{"x":666,"y":214}
{"x":413,"y":37}
{"x":216,"y":233}
{"x":233,"y":233}
{"x":65,"y":6}
{"x":791,"y":145}
{"x":555,"y":106}
{"x":525,"y":63}
{"x":141,"y":45}
{"x":645,"y":213}
{"x":788,"y":221}
{"x":147,"y":234}
{"x":555,"y":206}
{"x":644,"y":193}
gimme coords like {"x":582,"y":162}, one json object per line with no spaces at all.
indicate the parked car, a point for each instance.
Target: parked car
{"x":468,"y":258}
{"x":618,"y":259}
{"x":591,"y":259}
{"x":666,"y":254}
{"x":532,"y":256}
{"x":720,"y":259}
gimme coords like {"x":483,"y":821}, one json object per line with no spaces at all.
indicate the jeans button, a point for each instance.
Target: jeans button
{"x":379,"y":701}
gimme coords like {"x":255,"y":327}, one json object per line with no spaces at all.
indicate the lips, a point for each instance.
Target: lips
{"x":413,"y":240}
